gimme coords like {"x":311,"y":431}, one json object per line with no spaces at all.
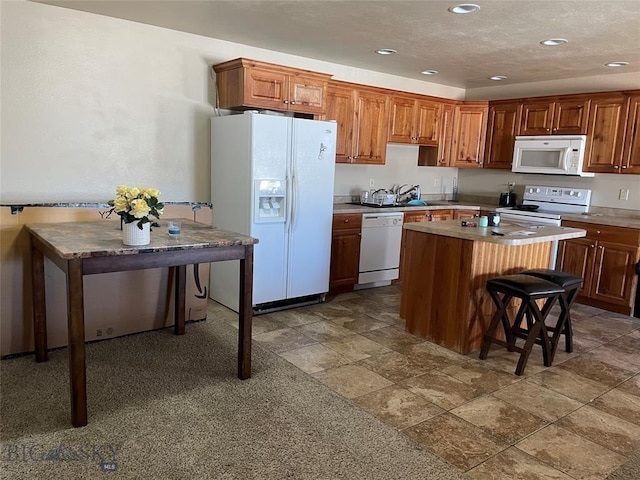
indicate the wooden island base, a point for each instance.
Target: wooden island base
{"x":443,"y":287}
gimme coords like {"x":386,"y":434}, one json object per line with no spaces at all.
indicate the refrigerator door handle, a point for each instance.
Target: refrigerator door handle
{"x":294,"y":199}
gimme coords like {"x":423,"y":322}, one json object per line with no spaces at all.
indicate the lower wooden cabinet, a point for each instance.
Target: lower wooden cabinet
{"x":466,"y":214}
{"x":606,"y":259}
{"x":435,"y":215}
{"x":345,"y":251}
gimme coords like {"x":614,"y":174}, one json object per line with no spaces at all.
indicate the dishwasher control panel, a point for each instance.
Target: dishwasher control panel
{"x":387,"y":219}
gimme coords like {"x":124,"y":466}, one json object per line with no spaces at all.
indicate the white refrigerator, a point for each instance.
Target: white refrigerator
{"x":272,"y":178}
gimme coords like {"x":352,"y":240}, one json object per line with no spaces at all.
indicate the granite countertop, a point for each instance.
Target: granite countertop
{"x":104,"y":238}
{"x":604,"y":219}
{"x":512,"y":234}
{"x":350,"y":208}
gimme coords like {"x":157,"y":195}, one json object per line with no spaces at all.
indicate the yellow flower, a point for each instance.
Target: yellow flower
{"x":152,"y":192}
{"x":133,"y":192}
{"x":139,"y":208}
{"x":120,"y":204}
{"x":122,"y":189}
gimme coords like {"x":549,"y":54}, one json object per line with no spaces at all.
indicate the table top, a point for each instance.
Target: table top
{"x":511,"y":234}
{"x":104,"y":238}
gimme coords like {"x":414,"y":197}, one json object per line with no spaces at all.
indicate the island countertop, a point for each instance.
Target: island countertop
{"x":104,"y":238}
{"x":511,"y":234}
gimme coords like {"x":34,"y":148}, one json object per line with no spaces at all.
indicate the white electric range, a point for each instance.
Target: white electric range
{"x":545,"y":206}
{"x":551,"y":202}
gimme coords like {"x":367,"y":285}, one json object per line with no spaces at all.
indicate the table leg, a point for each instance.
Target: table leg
{"x":77,"y":360}
{"x":39,"y":304}
{"x":180,"y":285}
{"x":245,"y":314}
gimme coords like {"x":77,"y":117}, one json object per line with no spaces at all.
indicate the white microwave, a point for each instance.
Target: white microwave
{"x":550,"y":155}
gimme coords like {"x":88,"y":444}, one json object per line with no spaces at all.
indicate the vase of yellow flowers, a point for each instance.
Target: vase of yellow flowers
{"x":135,"y":205}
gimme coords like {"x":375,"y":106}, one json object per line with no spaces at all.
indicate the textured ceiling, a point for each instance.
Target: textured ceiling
{"x":503,"y":38}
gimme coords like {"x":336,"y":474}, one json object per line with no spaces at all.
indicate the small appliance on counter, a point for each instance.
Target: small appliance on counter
{"x":508,"y":199}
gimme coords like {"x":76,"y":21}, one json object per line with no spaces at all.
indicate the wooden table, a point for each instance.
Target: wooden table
{"x":446,"y":267}
{"x":88,"y":248}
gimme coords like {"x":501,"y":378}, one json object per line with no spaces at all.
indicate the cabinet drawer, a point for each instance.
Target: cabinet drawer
{"x":608,"y":233}
{"x":347,"y":221}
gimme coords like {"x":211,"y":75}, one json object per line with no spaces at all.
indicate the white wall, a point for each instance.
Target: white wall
{"x":89,"y":102}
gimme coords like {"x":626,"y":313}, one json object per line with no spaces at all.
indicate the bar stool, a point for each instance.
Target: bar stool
{"x":571,"y":284}
{"x":528,"y":289}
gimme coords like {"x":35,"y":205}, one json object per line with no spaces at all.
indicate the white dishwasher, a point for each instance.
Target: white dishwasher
{"x":379,"y":248}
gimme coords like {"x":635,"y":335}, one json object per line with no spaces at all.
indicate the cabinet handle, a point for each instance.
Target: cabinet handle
{"x":555,"y":130}
{"x":592,"y":245}
{"x":616,"y":166}
{"x":598,"y":232}
{"x":285,"y":101}
{"x":293,"y":102}
{"x":624,"y":166}
{"x":547,"y":129}
{"x":346,"y":221}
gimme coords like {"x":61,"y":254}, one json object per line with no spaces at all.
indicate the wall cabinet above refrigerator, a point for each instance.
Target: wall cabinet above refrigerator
{"x":245,"y":83}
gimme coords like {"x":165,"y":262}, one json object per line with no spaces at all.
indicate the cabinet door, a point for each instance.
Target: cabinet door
{"x":345,"y":258}
{"x":401,"y":116}
{"x":264,"y":88}
{"x":446,"y":135}
{"x":370,"y":128}
{"x":576,"y":256}
{"x":340,"y":107}
{"x":570,"y":117}
{"x":613,"y":275}
{"x":427,"y":122}
{"x":502,"y":128}
{"x":605,"y":136}
{"x":536,"y":118}
{"x":469,"y":129}
{"x":465,"y":214}
{"x":415,"y":216}
{"x":437,"y":215}
{"x":306,"y":94}
{"x":631,"y":155}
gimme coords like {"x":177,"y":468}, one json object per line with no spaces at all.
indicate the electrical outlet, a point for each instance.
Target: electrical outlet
{"x":371,"y":183}
{"x":623,"y":194}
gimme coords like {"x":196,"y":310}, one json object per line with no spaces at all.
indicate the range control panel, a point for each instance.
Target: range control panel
{"x":572,"y":196}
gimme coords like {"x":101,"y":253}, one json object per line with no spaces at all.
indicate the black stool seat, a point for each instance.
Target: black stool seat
{"x":528,"y":289}
{"x":520,"y":285}
{"x":565,"y":280}
{"x":571,"y":284}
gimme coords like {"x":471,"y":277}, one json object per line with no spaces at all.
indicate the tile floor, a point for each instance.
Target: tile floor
{"x":579,"y":419}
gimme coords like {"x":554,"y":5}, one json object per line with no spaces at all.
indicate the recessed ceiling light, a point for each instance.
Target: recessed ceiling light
{"x":497,"y":77}
{"x":429,"y":72}
{"x":386,"y":51}
{"x":464,"y":8}
{"x":616,"y":64}
{"x":552,"y":42}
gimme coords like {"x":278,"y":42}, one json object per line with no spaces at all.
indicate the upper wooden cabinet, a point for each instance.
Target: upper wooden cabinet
{"x":469,"y":131}
{"x":631,"y":150}
{"x":414,"y":120}
{"x":605,"y":137}
{"x":248,"y":83}
{"x":554,"y":116}
{"x":362,"y":117}
{"x":502,"y":127}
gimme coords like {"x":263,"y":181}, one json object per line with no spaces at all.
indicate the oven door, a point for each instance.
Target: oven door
{"x":531,"y":221}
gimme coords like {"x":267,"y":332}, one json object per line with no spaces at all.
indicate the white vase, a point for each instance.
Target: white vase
{"x":132,"y":235}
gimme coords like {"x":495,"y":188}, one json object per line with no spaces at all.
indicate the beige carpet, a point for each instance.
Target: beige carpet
{"x":628,"y":471}
{"x":172,"y":408}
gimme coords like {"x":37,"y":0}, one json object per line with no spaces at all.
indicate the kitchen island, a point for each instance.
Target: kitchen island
{"x":445,"y":269}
